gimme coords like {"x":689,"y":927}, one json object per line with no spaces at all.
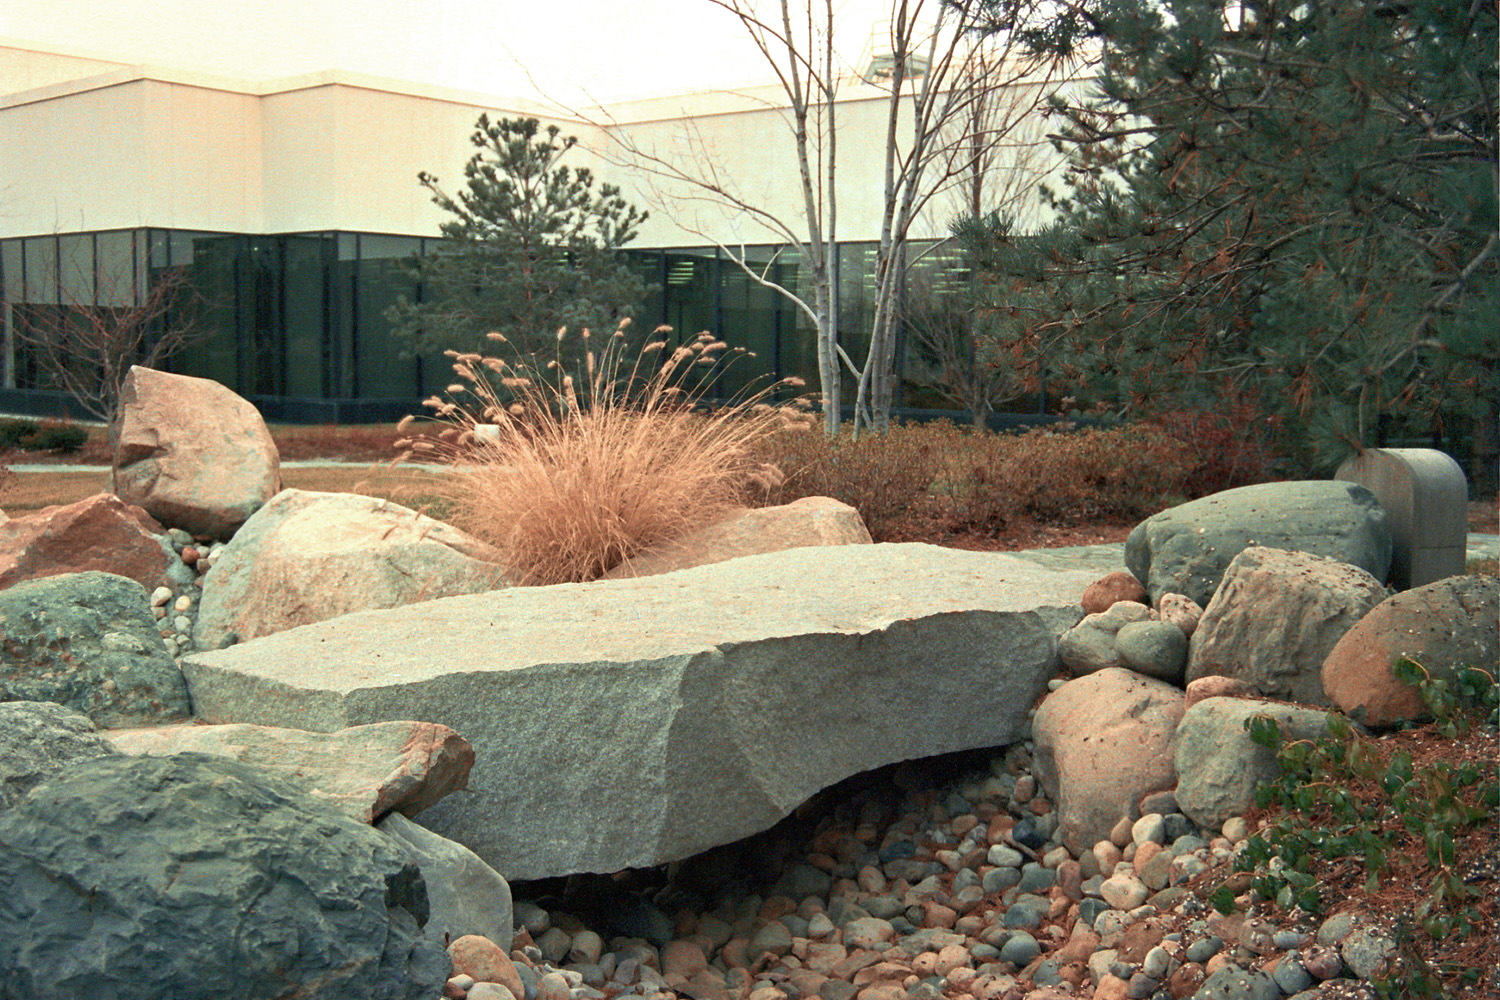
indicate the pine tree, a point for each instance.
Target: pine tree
{"x":532,"y":248}
{"x":1288,"y":203}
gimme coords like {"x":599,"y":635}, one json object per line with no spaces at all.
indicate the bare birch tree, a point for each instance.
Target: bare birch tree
{"x":798,"y":46}
{"x":964,"y":96}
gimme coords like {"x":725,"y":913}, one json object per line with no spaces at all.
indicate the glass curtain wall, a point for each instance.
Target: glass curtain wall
{"x":302,"y":316}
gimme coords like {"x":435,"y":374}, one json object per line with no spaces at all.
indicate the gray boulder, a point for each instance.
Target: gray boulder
{"x":696,"y":707}
{"x":88,"y":641}
{"x":1275,"y":619}
{"x":305,"y":557}
{"x":1218,"y":765}
{"x":194,"y":877}
{"x":1187,"y":548}
{"x":39,"y":739}
{"x":1157,"y":649}
{"x":464,"y":895}
{"x":1089,"y":646}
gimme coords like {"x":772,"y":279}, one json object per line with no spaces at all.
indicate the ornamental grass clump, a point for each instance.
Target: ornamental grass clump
{"x":569,"y":477}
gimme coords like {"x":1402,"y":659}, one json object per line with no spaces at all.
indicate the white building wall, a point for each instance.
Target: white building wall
{"x":335,"y":151}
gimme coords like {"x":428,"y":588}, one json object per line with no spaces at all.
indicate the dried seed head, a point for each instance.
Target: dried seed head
{"x":517,"y":409}
{"x":793,"y":382}
{"x":404,"y":424}
{"x":454,"y":388}
{"x":623,"y":324}
{"x":664,"y":328}
{"x":493,"y":335}
{"x":585,"y":333}
{"x":655,"y":345}
{"x":495,"y":365}
{"x":562,"y":332}
{"x":717,"y":345}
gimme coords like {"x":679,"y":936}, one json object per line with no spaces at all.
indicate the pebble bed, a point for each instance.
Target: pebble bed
{"x":175,"y":605}
{"x":954,"y":889}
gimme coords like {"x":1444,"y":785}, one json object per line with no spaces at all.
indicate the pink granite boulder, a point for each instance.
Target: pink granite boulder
{"x":802,"y":523}
{"x":191,"y":452}
{"x":306,"y":557}
{"x":1102,"y":742}
{"x":100,"y":533}
{"x":1445,"y":624}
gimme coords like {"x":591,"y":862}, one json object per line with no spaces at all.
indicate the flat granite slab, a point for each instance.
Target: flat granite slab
{"x":627,"y":723}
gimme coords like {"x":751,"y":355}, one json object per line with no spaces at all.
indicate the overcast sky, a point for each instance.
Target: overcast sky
{"x":608,"y":48}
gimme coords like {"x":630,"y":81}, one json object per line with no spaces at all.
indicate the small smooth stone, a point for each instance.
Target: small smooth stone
{"x":159,"y":613}
{"x":1156,"y":963}
{"x":1124,"y":892}
{"x":171,"y":647}
{"x":774,"y":939}
{"x":1151,"y":828}
{"x":1055,"y":683}
{"x":1289,"y":974}
{"x":1090,"y":909}
{"x":997,"y":880}
{"x":1286,"y":940}
{"x":1025,"y":788}
{"x":1203,"y":949}
{"x":1336,"y":928}
{"x":190,"y":554}
{"x":1141,"y":986}
{"x":870,"y":879}
{"x":586,"y":948}
{"x":1003,"y":856}
{"x":1020,"y":949}
{"x":819,"y":926}
{"x":1322,"y":961}
{"x":1120,"y":834}
{"x":554,"y":944}
{"x":1035,"y":878}
{"x":1108,"y":855}
{"x":182,"y":623}
{"x":160,"y":596}
{"x":183,"y":603}
{"x":1027,"y":912}
{"x":179,"y":538}
{"x":1026,"y":833}
{"x":490,"y":991}
{"x":868,"y":932}
{"x":1235,"y":829}
{"x":1056,"y":857}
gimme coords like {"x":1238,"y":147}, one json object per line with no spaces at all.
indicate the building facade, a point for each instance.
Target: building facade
{"x":293,"y":210}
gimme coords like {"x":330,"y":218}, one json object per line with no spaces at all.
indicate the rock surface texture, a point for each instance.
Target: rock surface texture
{"x":1218,"y":765}
{"x":1275,"y":619}
{"x":193,"y":877}
{"x":805,"y":522}
{"x":38,"y":740}
{"x":101,"y":533}
{"x":464,"y":895}
{"x":306,"y":557}
{"x":698,"y":706}
{"x":1187,"y":548}
{"x":1441,"y":625}
{"x":367,"y":771}
{"x":1102,"y":742}
{"x":88,"y":641}
{"x":191,"y":452}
